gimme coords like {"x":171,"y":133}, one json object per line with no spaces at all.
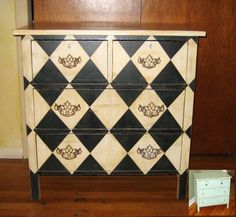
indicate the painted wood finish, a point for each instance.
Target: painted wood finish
{"x":211,"y":188}
{"x":109,"y":104}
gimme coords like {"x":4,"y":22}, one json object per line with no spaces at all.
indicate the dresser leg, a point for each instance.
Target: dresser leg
{"x":35,"y":186}
{"x":182,"y":181}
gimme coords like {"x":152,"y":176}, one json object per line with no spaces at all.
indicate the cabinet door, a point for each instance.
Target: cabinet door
{"x":57,"y":61}
{"x":153,"y":62}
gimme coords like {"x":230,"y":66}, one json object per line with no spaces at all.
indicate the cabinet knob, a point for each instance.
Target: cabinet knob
{"x":149,"y":62}
{"x":151,"y":110}
{"x":68,"y":153}
{"x":149,"y":152}
{"x":67,"y":109}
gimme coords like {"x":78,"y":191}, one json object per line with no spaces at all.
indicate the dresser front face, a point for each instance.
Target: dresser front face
{"x":109,"y":105}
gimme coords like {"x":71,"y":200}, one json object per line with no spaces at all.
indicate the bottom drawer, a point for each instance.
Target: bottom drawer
{"x":213,"y":201}
{"x":105,"y":153}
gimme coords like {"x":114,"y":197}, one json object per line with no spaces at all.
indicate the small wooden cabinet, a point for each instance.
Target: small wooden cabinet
{"x":108,"y":102}
{"x":211,"y":188}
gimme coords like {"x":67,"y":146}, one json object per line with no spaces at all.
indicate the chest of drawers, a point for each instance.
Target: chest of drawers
{"x":211,"y":188}
{"x":108,"y":102}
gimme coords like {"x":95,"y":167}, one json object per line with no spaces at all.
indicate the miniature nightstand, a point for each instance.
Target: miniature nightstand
{"x":211,"y":188}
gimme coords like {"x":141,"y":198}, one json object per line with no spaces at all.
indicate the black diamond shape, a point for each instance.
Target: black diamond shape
{"x":90,"y":140}
{"x":49,"y":46}
{"x":51,"y":121}
{"x":52,"y":164}
{"x":169,"y":75}
{"x":171,"y":47}
{"x":128,"y":121}
{"x":192,"y":85}
{"x":89,"y":73}
{"x":131,"y":46}
{"x":127,"y":165}
{"x":189,"y":132}
{"x":162,"y":165}
{"x":52,"y":140}
{"x":49,"y":74}
{"x":128,"y":139}
{"x":90,"y":95}
{"x":51,"y":95}
{"x":26,"y":83}
{"x":89,"y":121}
{"x":90,"y":166}
{"x":166,"y":122}
{"x":28,"y":130}
{"x":169,"y":96}
{"x":165,"y":140}
{"x":129,"y":95}
{"x":90,"y":46}
{"x":129,"y":75}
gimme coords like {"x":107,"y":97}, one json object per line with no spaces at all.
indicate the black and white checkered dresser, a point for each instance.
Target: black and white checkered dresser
{"x":108,"y":102}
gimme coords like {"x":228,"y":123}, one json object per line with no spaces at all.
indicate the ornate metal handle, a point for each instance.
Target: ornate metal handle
{"x":67,"y":109}
{"x":68,"y":152}
{"x":149,"y":152}
{"x":151,"y":110}
{"x":149,"y":62}
{"x":69,"y":61}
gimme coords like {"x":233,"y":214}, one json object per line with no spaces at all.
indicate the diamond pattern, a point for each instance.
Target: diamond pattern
{"x":111,"y":116}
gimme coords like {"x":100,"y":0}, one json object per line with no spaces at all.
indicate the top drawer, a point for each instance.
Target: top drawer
{"x":155,"y":62}
{"x":69,"y":61}
{"x":214,"y":183}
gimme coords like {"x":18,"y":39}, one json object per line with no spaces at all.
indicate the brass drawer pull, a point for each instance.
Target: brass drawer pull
{"x":151,"y":110}
{"x":149,"y":152}
{"x":149,"y":62}
{"x":69,"y":61}
{"x":68,"y":152}
{"x":67,"y":109}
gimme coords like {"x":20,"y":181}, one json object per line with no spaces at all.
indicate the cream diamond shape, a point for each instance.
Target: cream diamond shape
{"x":109,"y":107}
{"x":145,"y":143}
{"x":108,"y":153}
{"x":70,"y":107}
{"x":150,"y":49}
{"x":148,"y":108}
{"x":68,"y":49}
{"x":39,"y":58}
{"x":71,"y":153}
{"x":99,"y":58}
{"x":120,"y":59}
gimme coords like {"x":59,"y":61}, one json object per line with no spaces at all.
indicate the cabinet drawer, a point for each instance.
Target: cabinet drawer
{"x":152,"y":62}
{"x":55,"y":61}
{"x":112,"y":109}
{"x":213,"y":183}
{"x":213,"y":192}
{"x":213,"y":201}
{"x":101,"y":152}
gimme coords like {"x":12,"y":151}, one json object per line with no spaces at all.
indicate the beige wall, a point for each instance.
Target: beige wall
{"x":13,"y":13}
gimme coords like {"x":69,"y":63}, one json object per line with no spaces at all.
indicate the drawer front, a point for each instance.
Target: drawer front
{"x":213,"y":201}
{"x":154,"y":62}
{"x":213,"y":183}
{"x":111,"y":109}
{"x":213,"y":192}
{"x":55,"y":61}
{"x":107,"y":153}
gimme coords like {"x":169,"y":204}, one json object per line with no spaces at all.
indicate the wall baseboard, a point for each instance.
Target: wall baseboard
{"x":14,"y":153}
{"x":191,"y":201}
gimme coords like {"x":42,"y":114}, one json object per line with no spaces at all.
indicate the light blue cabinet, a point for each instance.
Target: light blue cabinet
{"x":211,"y":187}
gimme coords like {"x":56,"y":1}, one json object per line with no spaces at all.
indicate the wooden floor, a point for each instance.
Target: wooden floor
{"x":96,"y":196}
{"x":213,"y":210}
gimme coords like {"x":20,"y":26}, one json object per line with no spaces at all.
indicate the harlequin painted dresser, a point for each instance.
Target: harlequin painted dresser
{"x":211,"y":188}
{"x":108,"y":101}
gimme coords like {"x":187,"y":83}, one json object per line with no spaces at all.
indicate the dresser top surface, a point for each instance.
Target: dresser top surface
{"x":108,"y":29}
{"x":211,"y":174}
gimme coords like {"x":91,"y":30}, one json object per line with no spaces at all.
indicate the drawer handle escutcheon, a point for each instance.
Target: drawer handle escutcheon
{"x":68,"y":152}
{"x":67,"y":109}
{"x":151,"y":110}
{"x":149,"y":62}
{"x":149,"y":152}
{"x":69,"y":61}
